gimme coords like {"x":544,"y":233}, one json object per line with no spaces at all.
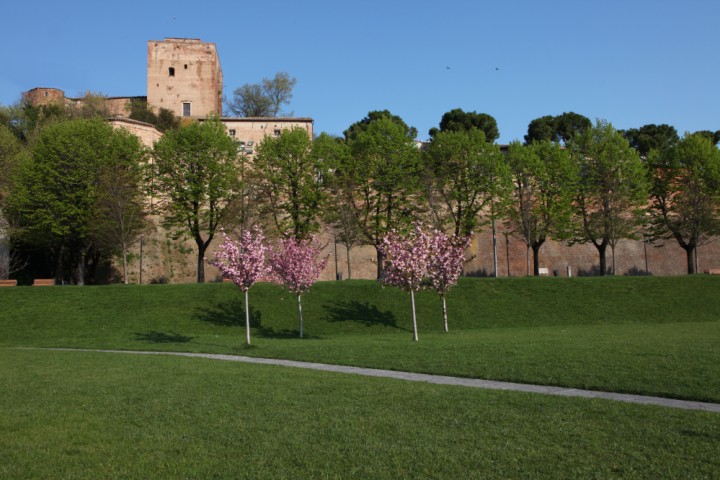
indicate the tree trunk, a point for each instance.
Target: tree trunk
{"x":601,"y":248}
{"x":300,"y":313}
{"x":247,"y":319}
{"x":124,"y":258}
{"x":536,"y":259}
{"x":202,"y":247}
{"x":348,"y":261}
{"x":380,"y":269}
{"x":79,"y":268}
{"x":445,"y":320}
{"x":414,"y":319}
{"x":689,"y":252}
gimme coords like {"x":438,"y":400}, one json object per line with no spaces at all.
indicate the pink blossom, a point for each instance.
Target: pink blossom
{"x":297,"y":265}
{"x":242,"y":262}
{"x":405,"y":258}
{"x":445,"y":260}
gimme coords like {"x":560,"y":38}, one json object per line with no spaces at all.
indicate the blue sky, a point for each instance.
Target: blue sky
{"x":629,"y":62}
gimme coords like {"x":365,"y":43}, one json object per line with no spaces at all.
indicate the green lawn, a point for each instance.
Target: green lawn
{"x":655,"y":336}
{"x":92,"y":415}
{"x":99,"y":415}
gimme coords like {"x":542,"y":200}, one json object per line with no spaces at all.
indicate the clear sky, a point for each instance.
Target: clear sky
{"x":631,"y":62}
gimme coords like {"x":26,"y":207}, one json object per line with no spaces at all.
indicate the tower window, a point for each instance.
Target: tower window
{"x":186,"y":109}
{"x":171,"y":71}
{"x":232,"y":132}
{"x":186,"y":66}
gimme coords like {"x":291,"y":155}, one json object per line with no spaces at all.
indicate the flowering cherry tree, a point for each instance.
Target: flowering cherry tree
{"x":406,"y":263}
{"x":446,"y":257}
{"x":297,"y":265}
{"x":243,"y":263}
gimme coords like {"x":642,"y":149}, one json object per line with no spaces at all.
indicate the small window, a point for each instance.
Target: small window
{"x":46,"y":94}
{"x":171,"y":71}
{"x":276,"y":132}
{"x":186,"y":66}
{"x":231,"y":132}
{"x":186,"y":109}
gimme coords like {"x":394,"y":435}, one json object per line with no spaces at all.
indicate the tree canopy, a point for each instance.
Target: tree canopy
{"x":457,"y":120}
{"x":561,"y":128}
{"x":264,"y":99}
{"x":196,"y":178}
{"x":362,"y":125}
{"x":651,"y":137}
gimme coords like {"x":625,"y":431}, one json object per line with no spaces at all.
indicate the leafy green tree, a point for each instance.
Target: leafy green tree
{"x":457,"y":120}
{"x":163,"y":120}
{"x":544,"y":188}
{"x":264,"y":99}
{"x":713,"y":137}
{"x":56,"y":190}
{"x":685,"y":194}
{"x":466,"y":176}
{"x":651,"y":137}
{"x":197,"y":178}
{"x":386,"y":173}
{"x":561,"y":128}
{"x":362,"y":125}
{"x":120,"y":215}
{"x":612,"y":189}
{"x":291,"y":182}
{"x":340,"y":214}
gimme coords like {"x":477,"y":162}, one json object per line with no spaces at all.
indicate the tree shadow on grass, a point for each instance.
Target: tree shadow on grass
{"x":232,"y":314}
{"x":361,"y":312}
{"x":162,"y":337}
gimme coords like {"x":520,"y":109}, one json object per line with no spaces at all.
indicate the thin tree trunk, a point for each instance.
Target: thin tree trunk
{"x":494,"y":239}
{"x":612,"y":249}
{"x":380,"y":270}
{"x":247,"y":319}
{"x":348,"y":262}
{"x":414,"y":319}
{"x":300,"y":314}
{"x":536,"y":259}
{"x":445,"y":320}
{"x":603,"y":260}
{"x":124,"y":255}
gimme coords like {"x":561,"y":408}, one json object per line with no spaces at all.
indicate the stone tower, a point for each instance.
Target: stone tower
{"x":184,"y":76}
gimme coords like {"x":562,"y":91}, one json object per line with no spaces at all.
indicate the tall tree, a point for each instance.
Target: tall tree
{"x":55,"y":195}
{"x":196,"y":177}
{"x":685,"y":195}
{"x":373,"y":116}
{"x":291,"y":181}
{"x":265,"y":99}
{"x":340,"y":214}
{"x":120,"y":210}
{"x":651,"y":137}
{"x":466,"y":175}
{"x":560,"y":128}
{"x":612,"y":189}
{"x":544,"y":178}
{"x":386,"y":173}
{"x":457,"y":120}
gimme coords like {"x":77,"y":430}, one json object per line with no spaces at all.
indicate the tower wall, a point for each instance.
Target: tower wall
{"x":184,"y":76}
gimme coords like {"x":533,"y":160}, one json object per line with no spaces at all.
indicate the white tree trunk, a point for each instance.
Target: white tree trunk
{"x":300,"y":313}
{"x":444,"y":313}
{"x":247,"y":319}
{"x":415,"y":331}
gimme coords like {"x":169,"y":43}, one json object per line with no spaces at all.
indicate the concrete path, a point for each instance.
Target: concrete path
{"x":436,"y":379}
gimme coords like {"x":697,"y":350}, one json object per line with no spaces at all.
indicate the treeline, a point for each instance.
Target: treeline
{"x":77,"y":193}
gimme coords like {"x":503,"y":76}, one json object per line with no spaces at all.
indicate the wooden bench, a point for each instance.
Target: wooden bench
{"x":713,"y":271}
{"x":8,"y":283}
{"x":43,"y":282}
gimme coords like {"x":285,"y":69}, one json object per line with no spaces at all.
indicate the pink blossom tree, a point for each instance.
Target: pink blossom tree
{"x":445,"y":264}
{"x":297,"y":265}
{"x":406,"y":262}
{"x":243,"y":263}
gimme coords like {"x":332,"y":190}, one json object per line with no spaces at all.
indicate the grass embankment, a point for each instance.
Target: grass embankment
{"x":655,"y":336}
{"x":91,"y":415}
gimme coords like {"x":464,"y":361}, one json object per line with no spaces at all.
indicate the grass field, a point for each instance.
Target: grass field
{"x":93,"y":415}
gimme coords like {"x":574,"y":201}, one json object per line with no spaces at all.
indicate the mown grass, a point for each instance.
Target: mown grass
{"x":656,"y":336}
{"x":92,"y":415}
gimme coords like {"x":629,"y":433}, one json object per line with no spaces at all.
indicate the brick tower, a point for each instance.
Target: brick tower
{"x":184,"y":76}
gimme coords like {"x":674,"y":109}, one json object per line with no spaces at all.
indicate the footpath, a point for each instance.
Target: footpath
{"x":435,"y":379}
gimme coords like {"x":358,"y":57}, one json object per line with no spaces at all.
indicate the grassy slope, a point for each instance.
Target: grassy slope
{"x":85,"y":415}
{"x":655,"y":336}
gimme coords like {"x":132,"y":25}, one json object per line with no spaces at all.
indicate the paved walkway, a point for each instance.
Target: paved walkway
{"x":437,"y":379}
